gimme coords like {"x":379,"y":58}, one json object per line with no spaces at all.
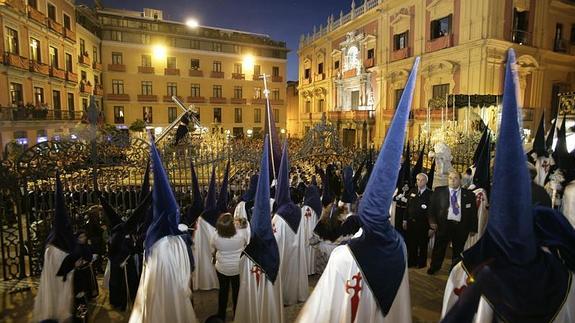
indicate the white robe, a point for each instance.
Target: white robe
{"x":568,"y":206}
{"x":458,"y":278}
{"x":164,"y":293}
{"x":331,"y":302}
{"x":293,"y":264}
{"x":55,"y":298}
{"x":205,"y":277}
{"x":309,"y":222}
{"x":482,"y":216}
{"x":259,"y":301}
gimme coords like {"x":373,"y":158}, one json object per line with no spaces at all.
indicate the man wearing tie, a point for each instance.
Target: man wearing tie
{"x":453,"y":216}
{"x":416,"y":223}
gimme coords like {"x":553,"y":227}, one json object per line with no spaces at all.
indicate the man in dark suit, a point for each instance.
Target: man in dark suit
{"x":453,"y":216}
{"x":416,"y":222}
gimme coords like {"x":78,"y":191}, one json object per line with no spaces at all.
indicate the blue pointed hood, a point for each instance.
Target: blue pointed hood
{"x":211,"y":212}
{"x":61,"y":235}
{"x":166,"y":211}
{"x":312,"y":199}
{"x":348,"y":194}
{"x":250,"y":194}
{"x":380,"y":250}
{"x":287,"y":209}
{"x":263,"y":248}
{"x":223,"y":196}
{"x":539,"y":147}
{"x":197,"y":206}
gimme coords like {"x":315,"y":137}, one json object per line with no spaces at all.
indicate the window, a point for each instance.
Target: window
{"x":57,"y":104}
{"x":118,"y":114}
{"x":67,"y":23}
{"x":238,"y":132}
{"x":441,"y":27}
{"x":275,"y":71}
{"x":217,"y":47}
{"x":370,"y":53}
{"x":117,"y":86}
{"x":12,"y":41}
{"x":195,"y":90}
{"x":96,"y":80}
{"x":53,"y":57}
{"x":217,"y":91}
{"x":68,"y":62}
{"x":35,"y":50}
{"x":320,"y":104}
{"x":275,"y":94}
{"x":171,"y":62}
{"x":217,"y":115}
{"x":146,"y":61}
{"x":257,"y":70}
{"x":195,"y":44}
{"x":257,"y":93}
{"x":172,"y":89}
{"x":147,"y":114}
{"x":276,"y":115}
{"x":85,"y":104}
{"x":146,"y":87}
{"x":95,"y":54}
{"x":238,"y":68}
{"x":572,"y":34}
{"x":83,"y":76}
{"x":38,"y":95}
{"x":238,"y":92}
{"x":33,"y":4}
{"x":238,"y":115}
{"x":354,"y":99}
{"x":520,"y":20}
{"x":307,"y":106}
{"x":146,"y":39}
{"x":398,"y":93}
{"x":195,"y":64}
{"x":51,"y":12}
{"x":71,"y":105}
{"x":336,"y":65}
{"x":16,"y":96}
{"x":217,"y":66}
{"x":172,"y":114}
{"x":400,"y":41}
{"x":560,"y":46}
{"x":257,"y":115}
{"x":320,"y":68}
{"x":307,"y":73}
{"x":116,"y":35}
{"x":440,"y":90}
{"x":117,"y":58}
{"x":41,"y":135}
{"x":21,"y":138}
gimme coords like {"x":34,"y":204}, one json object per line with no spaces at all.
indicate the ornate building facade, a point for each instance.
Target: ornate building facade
{"x":353,"y":68}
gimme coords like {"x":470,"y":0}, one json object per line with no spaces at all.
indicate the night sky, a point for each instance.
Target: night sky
{"x":282,"y":20}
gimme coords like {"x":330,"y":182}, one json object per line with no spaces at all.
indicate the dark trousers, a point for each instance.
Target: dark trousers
{"x":455,"y":233}
{"x":225,"y":282}
{"x":417,"y":240}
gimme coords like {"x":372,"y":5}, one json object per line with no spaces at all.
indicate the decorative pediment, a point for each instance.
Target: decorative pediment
{"x":335,"y":52}
{"x":438,"y":9}
{"x":527,"y":63}
{"x":401,"y":14}
{"x":319,"y":91}
{"x":306,"y":94}
{"x":443,"y":67}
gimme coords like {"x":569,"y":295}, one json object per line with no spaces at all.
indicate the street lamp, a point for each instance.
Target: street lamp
{"x":248,"y":63}
{"x":159,"y":51}
{"x":250,"y":133}
{"x":192,"y":23}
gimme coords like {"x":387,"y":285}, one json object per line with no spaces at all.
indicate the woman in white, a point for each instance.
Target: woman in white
{"x":228,"y":245}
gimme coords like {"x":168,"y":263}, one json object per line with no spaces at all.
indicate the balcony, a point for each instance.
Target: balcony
{"x":117,"y":97}
{"x":353,"y":115}
{"x":196,"y":99}
{"x":214,"y":100}
{"x":97,"y":66}
{"x":319,"y":77}
{"x":70,"y":35}
{"x":237,"y":101}
{"x":306,"y":81}
{"x":350,"y":73}
{"x":196,"y":73}
{"x":401,"y":53}
{"x":98,"y":90}
{"x":259,"y":101}
{"x":521,"y":37}
{"x":17,"y":5}
{"x":147,"y":98}
{"x":146,"y":69}
{"x":370,"y":62}
{"x":168,"y":98}
{"x":116,"y":68}
{"x":256,"y":77}
{"x":16,"y":60}
{"x":39,"y":68}
{"x":84,"y":59}
{"x":57,"y":73}
{"x":277,"y":78}
{"x":172,"y":71}
{"x":34,"y":113}
{"x":71,"y":77}
{"x":238,"y":76}
{"x":560,"y":46}
{"x":85,"y":88}
{"x":56,"y":27}
{"x":217,"y":75}
{"x":36,"y":15}
{"x":439,"y":43}
{"x":277,"y":102}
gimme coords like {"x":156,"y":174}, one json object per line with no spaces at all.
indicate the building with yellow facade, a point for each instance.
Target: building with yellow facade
{"x":353,"y":67}
{"x":57,"y":54}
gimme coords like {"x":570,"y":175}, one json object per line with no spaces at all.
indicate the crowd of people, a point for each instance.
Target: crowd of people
{"x":358,"y":226}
